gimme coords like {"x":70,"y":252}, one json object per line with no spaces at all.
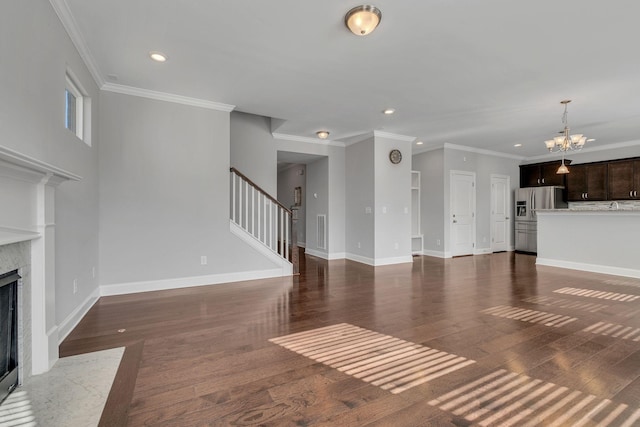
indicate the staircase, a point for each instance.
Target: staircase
{"x":264,"y":223}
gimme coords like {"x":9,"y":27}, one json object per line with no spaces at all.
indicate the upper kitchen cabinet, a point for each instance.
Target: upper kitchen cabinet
{"x":541,"y":174}
{"x":587,"y":182}
{"x":624,"y":179}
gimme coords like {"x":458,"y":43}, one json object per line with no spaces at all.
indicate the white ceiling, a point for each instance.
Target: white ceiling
{"x":484,"y":74}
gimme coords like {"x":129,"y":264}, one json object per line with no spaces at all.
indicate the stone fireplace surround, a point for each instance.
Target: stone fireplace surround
{"x":27,"y":233}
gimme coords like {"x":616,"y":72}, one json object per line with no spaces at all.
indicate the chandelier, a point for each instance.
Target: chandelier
{"x":565,"y":142}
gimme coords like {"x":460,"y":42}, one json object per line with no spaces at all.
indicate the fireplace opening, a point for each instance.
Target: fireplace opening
{"x":8,"y":333}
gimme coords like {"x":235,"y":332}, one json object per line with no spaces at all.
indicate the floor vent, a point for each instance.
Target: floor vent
{"x":381,"y":360}
{"x":322,"y":232}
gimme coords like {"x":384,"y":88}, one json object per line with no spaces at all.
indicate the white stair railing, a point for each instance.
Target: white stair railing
{"x":263,"y":217}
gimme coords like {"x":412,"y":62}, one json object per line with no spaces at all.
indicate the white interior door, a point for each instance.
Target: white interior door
{"x":462,"y":212}
{"x":500,"y":208}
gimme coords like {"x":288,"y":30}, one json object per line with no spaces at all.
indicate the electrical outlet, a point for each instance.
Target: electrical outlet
{"x":384,"y":209}
{"x":203,"y":260}
{"x":367,"y":210}
{"x":438,"y":242}
{"x":359,"y":245}
{"x":396,"y":245}
{"x":93,"y":272}
{"x":75,"y":286}
{"x":484,"y":239}
{"x":406,"y":210}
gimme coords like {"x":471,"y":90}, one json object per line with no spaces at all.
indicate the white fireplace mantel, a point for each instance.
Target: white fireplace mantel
{"x":27,"y":189}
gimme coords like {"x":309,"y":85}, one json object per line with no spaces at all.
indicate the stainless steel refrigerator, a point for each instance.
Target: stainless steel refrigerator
{"x":527,"y":201}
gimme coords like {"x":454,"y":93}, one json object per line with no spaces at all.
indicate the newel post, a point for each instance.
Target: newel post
{"x":294,"y":240}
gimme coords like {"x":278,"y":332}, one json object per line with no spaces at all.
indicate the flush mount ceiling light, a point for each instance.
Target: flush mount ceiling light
{"x":388,"y":111}
{"x":158,"y":56}
{"x":419,"y":142}
{"x":565,"y":142}
{"x":362,"y":20}
{"x":323,"y":134}
{"x":517,"y":145}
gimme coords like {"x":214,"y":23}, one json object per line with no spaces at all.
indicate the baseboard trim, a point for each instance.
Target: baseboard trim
{"x":71,"y":321}
{"x":186,"y":282}
{"x":316,"y":253}
{"x":359,"y":258}
{"x":482,"y":251}
{"x":337,"y":255}
{"x":379,"y":261}
{"x":270,"y":254}
{"x":593,"y":268}
{"x":437,"y":254}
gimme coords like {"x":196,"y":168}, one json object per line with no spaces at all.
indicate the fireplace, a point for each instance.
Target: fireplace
{"x":8,"y":333}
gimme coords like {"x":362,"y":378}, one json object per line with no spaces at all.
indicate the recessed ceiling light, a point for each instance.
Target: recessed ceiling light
{"x":323,"y":134}
{"x":517,"y":145}
{"x":388,"y":111}
{"x":419,"y":142}
{"x":158,"y":56}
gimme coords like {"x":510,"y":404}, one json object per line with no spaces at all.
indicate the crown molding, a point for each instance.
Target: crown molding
{"x":591,"y":149}
{"x":69,"y":23}
{"x":306,"y":139}
{"x":426,"y":149}
{"x":168,"y":97}
{"x":483,"y":151}
{"x":397,"y":137}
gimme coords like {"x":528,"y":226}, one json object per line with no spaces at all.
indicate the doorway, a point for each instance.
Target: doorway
{"x":500,"y":212}
{"x":462,"y":212}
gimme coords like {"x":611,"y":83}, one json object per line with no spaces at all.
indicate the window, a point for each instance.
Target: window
{"x":77,"y":109}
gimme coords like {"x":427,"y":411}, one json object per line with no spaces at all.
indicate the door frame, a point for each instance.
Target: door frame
{"x":452,"y":174}
{"x":509,"y":203}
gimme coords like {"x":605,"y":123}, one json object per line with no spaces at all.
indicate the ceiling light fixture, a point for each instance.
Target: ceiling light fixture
{"x":362,"y":20}
{"x":388,"y":111}
{"x":158,"y":56}
{"x":565,"y":141}
{"x":419,"y":143}
{"x":323,"y":134}
{"x":517,"y":145}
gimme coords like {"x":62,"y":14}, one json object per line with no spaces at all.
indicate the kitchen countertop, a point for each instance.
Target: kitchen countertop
{"x":598,"y":211}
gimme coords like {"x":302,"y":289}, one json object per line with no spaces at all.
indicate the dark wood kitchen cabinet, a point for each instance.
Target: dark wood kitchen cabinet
{"x":587,"y":182}
{"x":542,"y":174}
{"x":624,"y":179}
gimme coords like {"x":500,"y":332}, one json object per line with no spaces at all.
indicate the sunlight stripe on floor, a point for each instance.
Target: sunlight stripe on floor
{"x":531,"y":316}
{"x":381,"y":360}
{"x":614,"y":330}
{"x":590,"y":293}
{"x":504,"y":399}
{"x":565,"y":303}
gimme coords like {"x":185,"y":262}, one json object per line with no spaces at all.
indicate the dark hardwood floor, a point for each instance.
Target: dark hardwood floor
{"x":456,"y":347}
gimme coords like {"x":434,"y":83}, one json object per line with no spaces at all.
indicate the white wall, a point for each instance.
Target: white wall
{"x":164,"y":193}
{"x":360,"y":195}
{"x":483,"y":165}
{"x":253,"y":151}
{"x":392,"y":202}
{"x":291,"y":177}
{"x":435,"y":167}
{"x":36,"y":52}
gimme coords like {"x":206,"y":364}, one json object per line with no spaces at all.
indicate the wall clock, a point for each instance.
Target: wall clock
{"x":395,"y":156}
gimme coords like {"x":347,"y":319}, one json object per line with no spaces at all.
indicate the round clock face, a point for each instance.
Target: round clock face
{"x":395,"y":156}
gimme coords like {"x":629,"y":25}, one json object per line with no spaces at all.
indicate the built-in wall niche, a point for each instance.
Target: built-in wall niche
{"x":416,"y":234}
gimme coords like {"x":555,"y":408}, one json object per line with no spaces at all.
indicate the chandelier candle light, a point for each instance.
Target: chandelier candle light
{"x":565,"y":142}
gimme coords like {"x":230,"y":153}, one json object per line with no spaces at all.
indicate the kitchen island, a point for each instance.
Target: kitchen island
{"x":598,"y":240}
